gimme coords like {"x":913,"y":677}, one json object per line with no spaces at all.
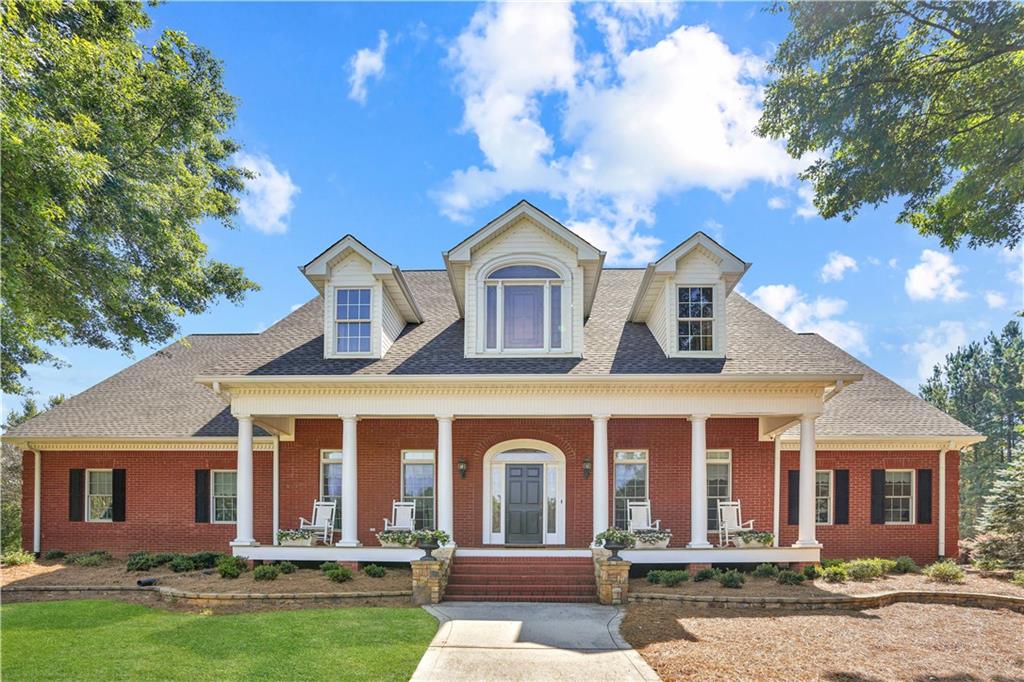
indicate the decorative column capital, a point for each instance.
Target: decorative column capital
{"x":600,"y":417}
{"x":698,"y":417}
{"x":444,"y":417}
{"x":348,"y":417}
{"x":242,"y":417}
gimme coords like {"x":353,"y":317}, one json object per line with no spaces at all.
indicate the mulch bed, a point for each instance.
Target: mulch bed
{"x":902,"y":641}
{"x":767,"y":587}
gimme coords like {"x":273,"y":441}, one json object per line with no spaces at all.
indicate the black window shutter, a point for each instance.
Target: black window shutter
{"x":76,"y":495}
{"x":793,"y":497}
{"x":878,"y":496}
{"x":924,"y":495}
{"x":841,"y":496}
{"x":117,"y":509}
{"x":202,"y":495}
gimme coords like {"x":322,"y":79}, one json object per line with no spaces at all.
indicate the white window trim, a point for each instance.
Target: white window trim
{"x":564,"y":279}
{"x":370,"y":320}
{"x":718,"y":328}
{"x":330,"y":312}
{"x":513,"y":452}
{"x":320,"y":478}
{"x":401,"y":475}
{"x":831,"y":496}
{"x":213,"y":496}
{"x":88,"y":507}
{"x":708,"y":461}
{"x":913,"y":498}
{"x":712,"y":319}
{"x":647,"y":476}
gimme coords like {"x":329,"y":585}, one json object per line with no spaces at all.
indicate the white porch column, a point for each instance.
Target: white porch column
{"x":243,"y":522}
{"x":276,"y":490}
{"x":600,"y":473}
{"x":807,"y":467}
{"x":445,"y":508}
{"x":37,"y":512}
{"x":777,"y":477}
{"x":698,"y":482}
{"x":349,"y":484}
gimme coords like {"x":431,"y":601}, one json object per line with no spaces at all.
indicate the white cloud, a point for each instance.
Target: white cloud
{"x":268,"y":198}
{"x":994,"y":299}
{"x":1016,"y":259}
{"x":365,"y":64}
{"x":934,"y":344}
{"x":635,"y":123}
{"x":791,"y":307}
{"x":934,"y":277}
{"x":715,"y":229}
{"x":777,"y":203}
{"x":894,"y":263}
{"x":625,"y":22}
{"x":835,"y":269}
{"x":806,"y":209}
{"x":874,"y":261}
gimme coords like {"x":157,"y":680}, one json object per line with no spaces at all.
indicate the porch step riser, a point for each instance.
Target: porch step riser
{"x":491,"y":580}
{"x":508,"y":579}
{"x":563,"y":599}
{"x":510,"y":590}
{"x":518,"y":571}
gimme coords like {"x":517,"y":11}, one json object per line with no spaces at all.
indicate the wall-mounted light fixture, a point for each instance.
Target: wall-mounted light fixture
{"x":588,"y":466}
{"x":462,"y":468}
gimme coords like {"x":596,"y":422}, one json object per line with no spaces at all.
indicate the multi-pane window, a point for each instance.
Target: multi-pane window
{"x":719,"y":464}
{"x":523,"y":309}
{"x":630,"y":482}
{"x":823,"y":497}
{"x":418,"y":486}
{"x":224,"y":493}
{"x":330,"y":482}
{"x":899,"y":496}
{"x":99,"y":489}
{"x":696,"y":318}
{"x":352,"y":317}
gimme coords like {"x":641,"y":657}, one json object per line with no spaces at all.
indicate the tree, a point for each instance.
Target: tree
{"x":10,"y":475}
{"x":982,"y":385}
{"x":113,"y":152}
{"x":918,"y":100}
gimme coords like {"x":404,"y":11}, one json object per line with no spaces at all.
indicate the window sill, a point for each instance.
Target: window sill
{"x":99,"y":520}
{"x":523,"y":354}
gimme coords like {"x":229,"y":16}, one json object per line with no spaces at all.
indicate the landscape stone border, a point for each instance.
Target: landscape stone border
{"x":210,"y":596}
{"x":852,"y":602}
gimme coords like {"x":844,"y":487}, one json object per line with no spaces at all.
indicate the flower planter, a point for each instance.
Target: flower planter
{"x":398,"y":545}
{"x":751,"y":544}
{"x":298,"y":542}
{"x":655,"y":544}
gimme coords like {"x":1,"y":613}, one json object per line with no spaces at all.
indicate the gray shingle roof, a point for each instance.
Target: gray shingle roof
{"x":158,"y":397}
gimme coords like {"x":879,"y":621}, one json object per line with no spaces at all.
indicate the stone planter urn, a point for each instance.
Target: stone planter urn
{"x":614,"y":548}
{"x":428,"y":547}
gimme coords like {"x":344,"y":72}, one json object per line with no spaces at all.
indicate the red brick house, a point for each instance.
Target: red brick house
{"x":523,"y":365}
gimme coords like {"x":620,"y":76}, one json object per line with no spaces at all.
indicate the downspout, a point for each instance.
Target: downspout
{"x":775,"y":491}
{"x":276,"y":486}
{"x":37,"y":512}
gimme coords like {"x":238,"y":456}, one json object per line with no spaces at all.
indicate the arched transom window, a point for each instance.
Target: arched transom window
{"x":524,"y":309}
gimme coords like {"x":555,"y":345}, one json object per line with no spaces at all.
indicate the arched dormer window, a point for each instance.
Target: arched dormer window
{"x":524,"y":309}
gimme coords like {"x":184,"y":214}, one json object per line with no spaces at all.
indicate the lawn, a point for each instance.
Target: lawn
{"x":99,"y":639}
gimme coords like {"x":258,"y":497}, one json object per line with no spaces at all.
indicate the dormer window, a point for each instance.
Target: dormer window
{"x":353,"y":321}
{"x":523,"y":309}
{"x":696,"y":318}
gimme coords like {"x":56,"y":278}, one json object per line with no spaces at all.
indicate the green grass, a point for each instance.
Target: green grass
{"x":107,"y":640}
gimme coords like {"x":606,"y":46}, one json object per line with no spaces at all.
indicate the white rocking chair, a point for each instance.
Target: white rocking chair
{"x":402,"y":514}
{"x":730,"y":522}
{"x":323,"y":520}
{"x":640,"y":517}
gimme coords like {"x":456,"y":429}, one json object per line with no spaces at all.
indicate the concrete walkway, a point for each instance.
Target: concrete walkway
{"x":527,"y":641}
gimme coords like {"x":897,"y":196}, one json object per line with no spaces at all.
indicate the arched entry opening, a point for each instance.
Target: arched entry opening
{"x":524,"y":494}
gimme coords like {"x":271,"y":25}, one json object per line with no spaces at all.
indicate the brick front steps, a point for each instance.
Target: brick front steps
{"x":854,"y":602}
{"x":540,"y":579}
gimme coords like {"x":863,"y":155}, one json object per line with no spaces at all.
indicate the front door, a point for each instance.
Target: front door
{"x":524,"y":494}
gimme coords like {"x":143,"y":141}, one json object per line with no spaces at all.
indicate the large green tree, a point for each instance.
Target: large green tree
{"x":113,"y":152}
{"x":982,"y":385}
{"x":921,"y":101}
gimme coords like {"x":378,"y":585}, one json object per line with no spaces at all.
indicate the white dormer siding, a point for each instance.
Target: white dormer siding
{"x":701,"y":265}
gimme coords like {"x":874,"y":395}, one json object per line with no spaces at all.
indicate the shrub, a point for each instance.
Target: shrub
{"x":988,"y":564}
{"x":706,"y":574}
{"x":811,"y":572}
{"x":766,"y":571}
{"x":905,"y":564}
{"x":673,"y":578}
{"x":375,"y":571}
{"x":143,"y":561}
{"x":886,"y":566}
{"x":835,"y":574}
{"x":17,"y":557}
{"x":731,"y":578}
{"x":266,"y":572}
{"x":788,"y":577}
{"x":654,"y":576}
{"x":944,"y":572}
{"x":1005,"y":548}
{"x":1018,"y":578}
{"x":231,"y":566}
{"x":340,"y":574}
{"x":182,"y":564}
{"x":54,"y":554}
{"x":96,"y":557}
{"x":287,"y":567}
{"x":828,"y":563}
{"x":205,"y":559}
{"x":328,"y":566}
{"x":864,"y":569}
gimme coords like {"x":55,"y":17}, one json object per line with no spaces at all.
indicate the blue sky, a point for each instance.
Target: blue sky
{"x":411,"y":125}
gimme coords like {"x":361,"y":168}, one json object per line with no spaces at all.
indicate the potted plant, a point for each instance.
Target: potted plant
{"x":615,"y":540}
{"x":652,"y":538}
{"x":397,"y":538}
{"x":297,"y":538}
{"x":753,"y":538}
{"x":429,"y":540}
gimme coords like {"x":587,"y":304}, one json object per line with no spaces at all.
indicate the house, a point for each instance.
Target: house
{"x":521,"y":396}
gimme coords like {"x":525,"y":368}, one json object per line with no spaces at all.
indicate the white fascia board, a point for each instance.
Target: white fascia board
{"x":638,"y":312}
{"x":883,"y":442}
{"x":729,"y":262}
